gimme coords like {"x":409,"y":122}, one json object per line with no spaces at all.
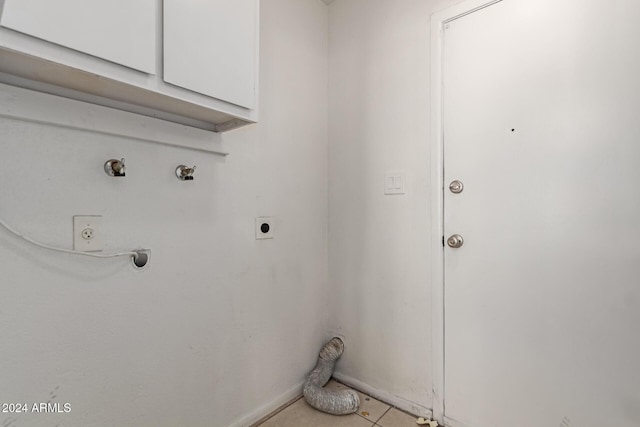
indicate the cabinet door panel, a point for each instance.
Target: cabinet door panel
{"x":120,"y":31}
{"x":211,"y":48}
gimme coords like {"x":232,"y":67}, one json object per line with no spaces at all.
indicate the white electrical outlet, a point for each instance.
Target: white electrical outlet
{"x":264,"y":228}
{"x":87,"y":233}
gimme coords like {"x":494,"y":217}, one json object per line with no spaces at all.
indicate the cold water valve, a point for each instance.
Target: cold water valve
{"x":115,"y":167}
{"x":185,"y":173}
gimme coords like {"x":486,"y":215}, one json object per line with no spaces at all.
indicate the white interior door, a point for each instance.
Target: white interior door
{"x":542,"y":301}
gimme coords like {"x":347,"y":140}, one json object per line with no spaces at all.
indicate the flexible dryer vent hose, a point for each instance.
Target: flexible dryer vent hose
{"x":336,"y":402}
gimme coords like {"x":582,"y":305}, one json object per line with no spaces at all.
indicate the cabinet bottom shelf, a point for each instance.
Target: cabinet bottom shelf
{"x":19,"y":69}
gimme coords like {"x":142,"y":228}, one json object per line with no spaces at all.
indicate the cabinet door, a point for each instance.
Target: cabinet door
{"x":210,"y":47}
{"x":120,"y":31}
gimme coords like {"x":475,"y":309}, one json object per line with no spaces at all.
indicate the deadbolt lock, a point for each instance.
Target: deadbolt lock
{"x":455,"y":241}
{"x":456,"y":187}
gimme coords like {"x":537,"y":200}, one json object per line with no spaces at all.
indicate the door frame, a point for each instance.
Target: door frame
{"x":436,"y":151}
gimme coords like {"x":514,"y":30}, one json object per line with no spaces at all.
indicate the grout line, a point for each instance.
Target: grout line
{"x":374,"y":423}
{"x":381,"y":416}
{"x":370,"y":397}
{"x":390,"y":405}
{"x":377,"y":419}
{"x":275,"y":412}
{"x":365,"y":418}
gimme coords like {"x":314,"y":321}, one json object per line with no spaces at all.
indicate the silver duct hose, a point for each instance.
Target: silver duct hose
{"x":336,"y":402}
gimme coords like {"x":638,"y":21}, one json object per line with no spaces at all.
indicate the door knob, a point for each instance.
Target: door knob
{"x":455,"y":241}
{"x":456,"y":187}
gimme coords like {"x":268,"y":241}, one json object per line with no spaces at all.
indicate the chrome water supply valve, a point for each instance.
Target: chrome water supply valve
{"x":185,"y":173}
{"x":115,"y":167}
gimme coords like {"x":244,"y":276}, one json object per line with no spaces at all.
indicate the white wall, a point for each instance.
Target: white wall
{"x":220,"y":327}
{"x":379,"y":260}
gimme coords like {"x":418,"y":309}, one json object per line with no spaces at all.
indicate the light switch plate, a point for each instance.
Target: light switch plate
{"x":394,"y":183}
{"x":87,"y":233}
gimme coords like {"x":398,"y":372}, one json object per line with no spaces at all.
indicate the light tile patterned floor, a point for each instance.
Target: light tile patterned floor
{"x":372,"y":412}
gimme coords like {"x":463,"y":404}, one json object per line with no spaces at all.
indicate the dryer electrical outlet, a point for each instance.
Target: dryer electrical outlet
{"x":87,"y":233}
{"x":264,"y":228}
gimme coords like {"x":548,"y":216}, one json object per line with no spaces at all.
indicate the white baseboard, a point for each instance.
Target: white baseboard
{"x":264,"y":410}
{"x":396,"y":401}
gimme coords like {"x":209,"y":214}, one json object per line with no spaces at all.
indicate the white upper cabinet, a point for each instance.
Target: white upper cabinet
{"x":120,"y":31}
{"x":210,"y":47}
{"x":188,"y":61}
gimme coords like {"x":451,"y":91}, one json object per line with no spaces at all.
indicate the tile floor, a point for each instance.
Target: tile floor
{"x":371,"y":413}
